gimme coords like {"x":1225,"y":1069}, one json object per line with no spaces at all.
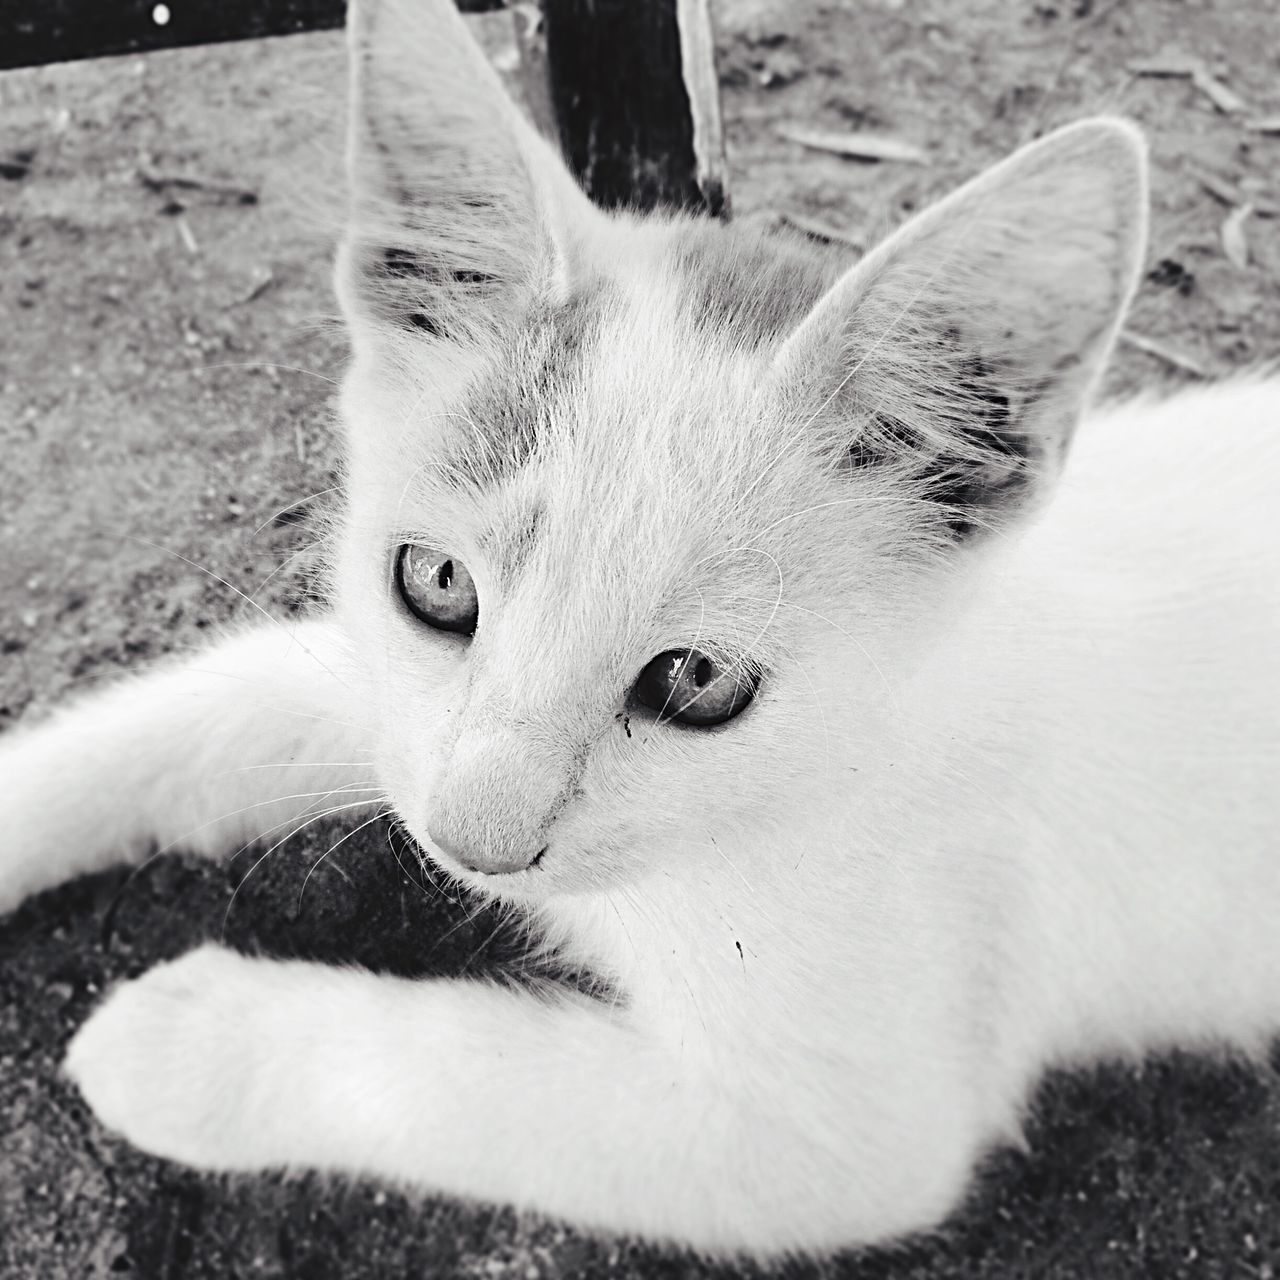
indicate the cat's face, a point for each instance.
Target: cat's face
{"x":606,"y":518}
{"x":647,"y":520}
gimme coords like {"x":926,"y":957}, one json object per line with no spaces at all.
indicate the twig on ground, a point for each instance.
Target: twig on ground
{"x":1168,"y":67}
{"x":1226,"y":192}
{"x":856,"y":145}
{"x":263,"y":278}
{"x":1234,"y":243}
{"x":821,"y":231}
{"x":1072,"y":56}
{"x":1188,"y":364}
{"x":161,"y":182}
{"x":1225,"y":99}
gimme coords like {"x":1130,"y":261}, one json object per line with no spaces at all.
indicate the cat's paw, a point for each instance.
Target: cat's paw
{"x":171,"y":1060}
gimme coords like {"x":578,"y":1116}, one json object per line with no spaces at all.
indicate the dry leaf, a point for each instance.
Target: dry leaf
{"x":1226,"y":100}
{"x":1161,"y":352}
{"x":1170,"y":66}
{"x":1218,"y":188}
{"x":188,"y":236}
{"x":821,"y":231}
{"x":1232,"y":195}
{"x":1234,"y":244}
{"x":861,"y":146}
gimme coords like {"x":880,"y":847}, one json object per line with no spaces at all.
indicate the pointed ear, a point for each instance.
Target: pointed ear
{"x":959,"y":354}
{"x":460,"y":212}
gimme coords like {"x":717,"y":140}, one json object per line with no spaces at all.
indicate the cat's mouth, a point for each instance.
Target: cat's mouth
{"x":477,"y":872}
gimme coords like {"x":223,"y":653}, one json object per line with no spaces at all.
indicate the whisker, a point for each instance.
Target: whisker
{"x":310,"y":715}
{"x":725,"y":859}
{"x":178,"y":841}
{"x":883,"y":337}
{"x":275,"y":622}
{"x":293,"y":506}
{"x":312,"y":815}
{"x":697,"y":635}
{"x":287,"y":561}
{"x":754,"y":641}
{"x":901,"y":500}
{"x":377,"y":817}
{"x":413,"y":880}
{"x":268,"y":364}
{"x":302,"y":764}
{"x":866,"y":653}
{"x":235,"y":893}
{"x":468,"y":916}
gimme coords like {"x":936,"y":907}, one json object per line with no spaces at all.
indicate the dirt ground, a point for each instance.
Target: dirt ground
{"x":167,"y":351}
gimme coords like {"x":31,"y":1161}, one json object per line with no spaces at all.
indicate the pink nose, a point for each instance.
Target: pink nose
{"x":489,"y":856}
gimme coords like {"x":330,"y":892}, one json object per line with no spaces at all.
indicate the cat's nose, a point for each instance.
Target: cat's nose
{"x":492,"y":857}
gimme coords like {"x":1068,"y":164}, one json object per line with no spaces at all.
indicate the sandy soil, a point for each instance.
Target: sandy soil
{"x":166,"y":357}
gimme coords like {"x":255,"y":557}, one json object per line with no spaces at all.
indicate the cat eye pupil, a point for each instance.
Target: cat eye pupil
{"x":437,"y":589}
{"x":691,"y":687}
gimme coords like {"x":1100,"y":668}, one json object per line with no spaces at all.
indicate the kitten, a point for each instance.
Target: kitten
{"x":712,"y":609}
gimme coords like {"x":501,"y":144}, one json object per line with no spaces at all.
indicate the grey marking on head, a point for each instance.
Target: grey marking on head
{"x":509,"y":542}
{"x":538,"y":368}
{"x":752,"y":288}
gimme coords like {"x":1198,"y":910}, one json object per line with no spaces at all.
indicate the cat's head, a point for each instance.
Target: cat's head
{"x":648,"y":517}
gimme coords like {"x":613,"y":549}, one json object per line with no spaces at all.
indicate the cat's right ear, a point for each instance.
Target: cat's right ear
{"x":460,"y":213}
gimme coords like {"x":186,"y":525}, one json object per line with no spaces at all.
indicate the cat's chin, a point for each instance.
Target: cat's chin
{"x":556,"y":873}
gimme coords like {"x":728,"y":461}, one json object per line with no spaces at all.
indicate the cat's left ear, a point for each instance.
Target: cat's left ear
{"x":959,"y":354}
{"x":461,"y":213}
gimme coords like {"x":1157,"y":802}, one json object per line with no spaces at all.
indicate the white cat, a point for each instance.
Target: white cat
{"x":707,"y":608}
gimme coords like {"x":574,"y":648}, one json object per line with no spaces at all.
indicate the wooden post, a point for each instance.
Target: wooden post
{"x":634,"y":91}
{"x":629,"y":85}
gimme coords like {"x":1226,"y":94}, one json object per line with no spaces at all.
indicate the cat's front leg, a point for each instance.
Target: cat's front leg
{"x":551,"y":1102}
{"x":206,"y":753}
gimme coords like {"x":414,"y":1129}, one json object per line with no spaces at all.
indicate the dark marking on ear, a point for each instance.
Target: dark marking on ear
{"x":751,"y":288}
{"x":988,"y":463}
{"x":981,"y":391}
{"x":414,"y":291}
{"x":970,"y":494}
{"x":881,"y":441}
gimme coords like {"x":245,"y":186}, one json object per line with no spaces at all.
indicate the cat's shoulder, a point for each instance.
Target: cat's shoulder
{"x":1230,"y":419}
{"x":1200,"y":462}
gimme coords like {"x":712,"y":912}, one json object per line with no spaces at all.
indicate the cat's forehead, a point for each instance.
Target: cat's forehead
{"x":659,"y":348}
{"x":748,"y":287}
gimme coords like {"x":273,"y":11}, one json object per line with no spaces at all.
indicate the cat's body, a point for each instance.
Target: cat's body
{"x":1005,"y":794}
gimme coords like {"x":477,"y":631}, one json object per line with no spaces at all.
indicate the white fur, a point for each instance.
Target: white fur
{"x":997,"y":805}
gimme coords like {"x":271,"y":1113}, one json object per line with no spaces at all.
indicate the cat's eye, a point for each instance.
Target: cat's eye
{"x":691,"y":687}
{"x":437,"y":588}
